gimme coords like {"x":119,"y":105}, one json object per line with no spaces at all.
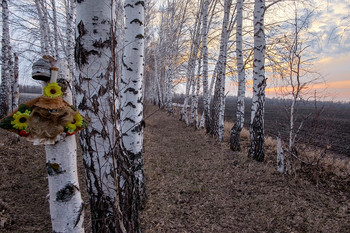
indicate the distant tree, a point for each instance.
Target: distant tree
{"x":191,"y":67}
{"x":15,"y":83}
{"x":45,"y":32}
{"x":256,"y":128}
{"x":70,"y":9}
{"x":218,"y":103}
{"x":5,"y":87}
{"x":177,"y":11}
{"x":238,"y":126}
{"x":206,"y":96}
{"x":294,"y":70}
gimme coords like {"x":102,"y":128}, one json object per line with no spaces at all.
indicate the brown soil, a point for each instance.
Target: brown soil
{"x":194,"y":184}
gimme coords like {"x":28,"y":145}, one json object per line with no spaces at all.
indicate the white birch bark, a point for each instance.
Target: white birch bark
{"x":238,"y":126}
{"x":159,"y":101}
{"x":5,"y":87}
{"x":280,"y":155}
{"x":95,"y":60}
{"x":48,"y":34}
{"x":44,"y":41}
{"x":256,"y":129}
{"x":131,"y":92}
{"x":70,"y":6}
{"x":217,"y":110}
{"x":190,"y":74}
{"x":174,"y":37}
{"x":196,"y":41}
{"x":205,"y":114}
{"x":170,"y":61}
{"x":15,"y":85}
{"x":55,"y":29}
{"x":198,"y":86}
{"x":66,"y":204}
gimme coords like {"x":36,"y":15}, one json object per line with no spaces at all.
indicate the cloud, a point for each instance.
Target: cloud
{"x":329,"y":27}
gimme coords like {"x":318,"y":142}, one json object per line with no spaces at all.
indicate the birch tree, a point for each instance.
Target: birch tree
{"x":5,"y":87}
{"x":238,"y":126}
{"x":15,"y":83}
{"x":45,"y":39}
{"x":175,"y":31}
{"x":190,"y":75}
{"x":66,"y":204}
{"x":256,"y":128}
{"x":218,"y":104}
{"x":103,"y":157}
{"x":70,"y":8}
{"x":293,"y":69}
{"x":131,"y":92}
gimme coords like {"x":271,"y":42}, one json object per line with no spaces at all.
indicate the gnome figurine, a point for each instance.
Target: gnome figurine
{"x":44,"y":120}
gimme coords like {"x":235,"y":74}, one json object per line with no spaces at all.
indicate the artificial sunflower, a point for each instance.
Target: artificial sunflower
{"x":20,"y":120}
{"x":78,"y":120}
{"x":71,"y":127}
{"x":52,"y":90}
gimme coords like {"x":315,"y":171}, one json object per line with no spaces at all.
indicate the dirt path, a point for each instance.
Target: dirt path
{"x":195,"y":184}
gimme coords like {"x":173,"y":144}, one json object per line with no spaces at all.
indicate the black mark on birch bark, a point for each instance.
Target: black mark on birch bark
{"x":101,"y":44}
{"x":102,"y":91}
{"x":130,"y":89}
{"x":53,"y":168}
{"x":128,"y":5}
{"x":136,"y":21}
{"x":80,"y":52}
{"x":139,"y":36}
{"x":66,"y":193}
{"x":130,"y":104}
{"x":79,"y":215}
{"x":95,"y":103}
{"x":140,"y":2}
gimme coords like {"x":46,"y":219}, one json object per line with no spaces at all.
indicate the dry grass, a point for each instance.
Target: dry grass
{"x":326,"y":164}
{"x":196,"y":184}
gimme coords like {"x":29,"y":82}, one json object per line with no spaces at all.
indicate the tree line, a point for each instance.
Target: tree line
{"x":118,"y":53}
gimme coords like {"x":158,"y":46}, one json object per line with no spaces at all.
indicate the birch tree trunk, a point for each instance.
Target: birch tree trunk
{"x":190,"y":74}
{"x":205,"y":116}
{"x":238,"y":126}
{"x":131,"y":93}
{"x":44,"y":37}
{"x":197,"y":41}
{"x":70,"y":24}
{"x":196,"y":98}
{"x":280,"y":155}
{"x":217,"y":110}
{"x":66,"y":205}
{"x":15,"y":85}
{"x":5,"y":87}
{"x":256,"y":148}
{"x":95,"y":60}
{"x":55,"y":29}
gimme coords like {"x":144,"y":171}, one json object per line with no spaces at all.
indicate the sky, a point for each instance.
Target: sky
{"x":330,"y":28}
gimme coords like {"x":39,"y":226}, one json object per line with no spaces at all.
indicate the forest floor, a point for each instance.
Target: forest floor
{"x":194,"y":184}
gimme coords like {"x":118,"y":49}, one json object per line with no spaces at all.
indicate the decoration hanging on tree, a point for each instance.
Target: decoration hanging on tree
{"x":48,"y":118}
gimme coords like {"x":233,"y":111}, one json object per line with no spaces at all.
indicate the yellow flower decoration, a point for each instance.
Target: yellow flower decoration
{"x":78,"y":120}
{"x":52,"y":90}
{"x":71,"y":128}
{"x":20,"y":120}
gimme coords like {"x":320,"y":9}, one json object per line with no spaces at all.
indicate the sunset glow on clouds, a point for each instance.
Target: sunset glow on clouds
{"x":330,"y":46}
